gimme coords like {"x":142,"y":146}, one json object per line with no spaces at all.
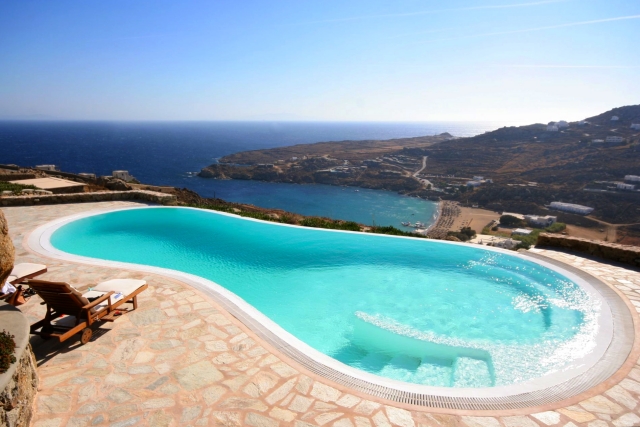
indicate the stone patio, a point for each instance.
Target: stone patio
{"x":181,"y":360}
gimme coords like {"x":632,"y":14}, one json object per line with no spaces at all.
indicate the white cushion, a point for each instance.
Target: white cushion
{"x":97,"y":294}
{"x":25,"y":269}
{"x":124,"y":286}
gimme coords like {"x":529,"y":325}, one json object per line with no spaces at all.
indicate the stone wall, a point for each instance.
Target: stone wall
{"x":103,"y":196}
{"x":16,"y":399}
{"x":611,"y":251}
{"x":7,"y":252}
{"x":19,"y":384}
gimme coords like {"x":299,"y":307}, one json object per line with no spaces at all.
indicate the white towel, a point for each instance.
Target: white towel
{"x":7,"y":288}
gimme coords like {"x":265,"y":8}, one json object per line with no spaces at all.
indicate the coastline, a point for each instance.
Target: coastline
{"x":436,"y":216}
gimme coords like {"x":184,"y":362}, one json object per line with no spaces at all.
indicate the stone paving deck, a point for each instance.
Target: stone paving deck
{"x":181,"y":360}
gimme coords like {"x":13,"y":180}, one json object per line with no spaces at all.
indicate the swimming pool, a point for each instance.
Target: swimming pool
{"x":417,"y":311}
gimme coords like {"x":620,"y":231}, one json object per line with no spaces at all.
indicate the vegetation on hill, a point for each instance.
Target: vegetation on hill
{"x":15,"y":188}
{"x":249,"y":211}
{"x":465,"y":234}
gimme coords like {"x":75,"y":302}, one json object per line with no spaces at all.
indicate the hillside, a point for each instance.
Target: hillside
{"x":530,"y":166}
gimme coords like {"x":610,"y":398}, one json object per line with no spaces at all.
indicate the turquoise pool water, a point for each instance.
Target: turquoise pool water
{"x":414,"y":310}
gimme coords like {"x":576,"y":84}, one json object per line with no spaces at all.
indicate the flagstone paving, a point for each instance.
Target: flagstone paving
{"x":181,"y":360}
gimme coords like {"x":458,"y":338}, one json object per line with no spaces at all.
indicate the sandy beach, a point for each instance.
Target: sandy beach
{"x":475,"y":218}
{"x":452,"y":217}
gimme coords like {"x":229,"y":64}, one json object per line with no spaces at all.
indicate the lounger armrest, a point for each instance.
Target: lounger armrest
{"x":98,"y":301}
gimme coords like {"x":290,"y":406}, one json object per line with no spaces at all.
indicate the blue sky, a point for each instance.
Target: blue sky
{"x":350,"y":60}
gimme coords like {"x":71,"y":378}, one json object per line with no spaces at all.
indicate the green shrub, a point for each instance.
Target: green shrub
{"x":317,"y":222}
{"x":7,"y":350}
{"x":391,"y":230}
{"x":556,"y":227}
{"x":511,"y":221}
{"x":465,"y":234}
{"x":16,"y":188}
{"x":530,"y":239}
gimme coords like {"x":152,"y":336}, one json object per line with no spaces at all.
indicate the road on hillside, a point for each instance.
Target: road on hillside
{"x":422,"y":181}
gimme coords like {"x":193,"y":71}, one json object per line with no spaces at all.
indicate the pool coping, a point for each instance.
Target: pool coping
{"x":495,"y":398}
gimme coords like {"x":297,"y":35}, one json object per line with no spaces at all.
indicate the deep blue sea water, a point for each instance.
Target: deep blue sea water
{"x":163,"y":153}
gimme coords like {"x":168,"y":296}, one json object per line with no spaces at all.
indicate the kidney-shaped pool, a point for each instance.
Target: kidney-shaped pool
{"x":414,"y":310}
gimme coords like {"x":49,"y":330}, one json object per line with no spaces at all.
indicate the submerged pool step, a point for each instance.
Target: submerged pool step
{"x":470,"y":372}
{"x":417,"y":360}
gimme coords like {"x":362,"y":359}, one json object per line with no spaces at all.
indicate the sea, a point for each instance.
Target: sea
{"x":171,"y":153}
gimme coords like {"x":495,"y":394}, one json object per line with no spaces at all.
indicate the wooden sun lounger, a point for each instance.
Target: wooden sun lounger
{"x":69,"y":312}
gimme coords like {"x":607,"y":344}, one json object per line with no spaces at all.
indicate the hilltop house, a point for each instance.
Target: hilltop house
{"x":521,"y":232}
{"x":614,"y":139}
{"x":635,"y":126}
{"x":47,"y":167}
{"x":615,"y":118}
{"x":627,"y":187}
{"x":540,"y":221}
{"x":572,"y":208}
{"x":633,"y":178}
{"x":583,"y":123}
{"x":562,"y":124}
{"x":123,"y":175}
{"x":551,"y":127}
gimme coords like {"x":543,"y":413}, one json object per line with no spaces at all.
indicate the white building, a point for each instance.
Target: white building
{"x":562,"y":124}
{"x":583,"y":123}
{"x":88,"y":175}
{"x":597,"y":141}
{"x":570,"y":207}
{"x":633,"y":178}
{"x":474,"y":183}
{"x":47,"y":167}
{"x":521,"y":232}
{"x":615,"y":118}
{"x":293,"y":159}
{"x":615,"y":139}
{"x":552,"y":128}
{"x":123,"y":175}
{"x":635,"y":126}
{"x":478,"y":178}
{"x":540,"y":221}
{"x":623,"y":186}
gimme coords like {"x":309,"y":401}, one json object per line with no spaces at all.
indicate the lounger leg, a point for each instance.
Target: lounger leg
{"x":135,"y":302}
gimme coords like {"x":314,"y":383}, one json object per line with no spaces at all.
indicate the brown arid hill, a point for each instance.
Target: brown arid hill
{"x":531,"y":153}
{"x":530,"y":166}
{"x":351,"y":150}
